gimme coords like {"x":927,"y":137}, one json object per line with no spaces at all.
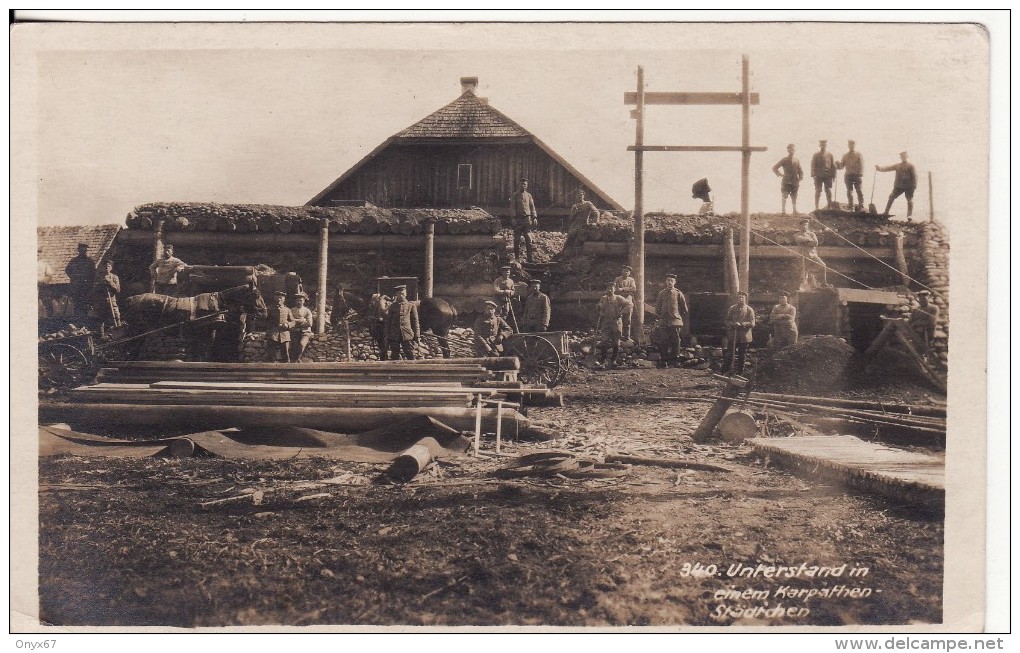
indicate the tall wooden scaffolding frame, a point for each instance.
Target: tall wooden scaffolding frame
{"x":640,"y":99}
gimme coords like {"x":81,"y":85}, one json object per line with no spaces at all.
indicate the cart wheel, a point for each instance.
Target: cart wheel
{"x":62,"y":366}
{"x":540,"y":362}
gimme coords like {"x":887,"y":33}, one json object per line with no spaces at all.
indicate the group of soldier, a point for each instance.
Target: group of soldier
{"x":92,"y":289}
{"x":525,"y":217}
{"x":824,"y":168}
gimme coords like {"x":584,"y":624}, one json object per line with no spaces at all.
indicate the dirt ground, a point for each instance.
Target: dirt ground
{"x":149,"y":541}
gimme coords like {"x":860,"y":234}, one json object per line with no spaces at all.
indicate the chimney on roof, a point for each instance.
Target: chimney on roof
{"x":468,"y":84}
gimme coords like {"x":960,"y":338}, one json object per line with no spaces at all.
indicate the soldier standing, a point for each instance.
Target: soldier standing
{"x":611,"y":308}
{"x":739,"y":323}
{"x":823,"y":170}
{"x":583,"y":213}
{"x":904,"y":184}
{"x":808,"y":241}
{"x":301,"y":333}
{"x":923,"y":319}
{"x":490,"y":330}
{"x":791,"y":175}
{"x":852,"y":165}
{"x":525,"y":217}
{"x":784,"y":322}
{"x":279,"y":322}
{"x":378,"y":308}
{"x":81,"y":270}
{"x":671,"y":307}
{"x":164,"y":272}
{"x":402,"y":328}
{"x":537,"y":309}
{"x":626,"y":287}
{"x":106,"y":290}
{"x":503,"y":291}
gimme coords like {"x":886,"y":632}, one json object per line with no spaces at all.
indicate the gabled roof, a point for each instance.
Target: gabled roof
{"x":467,"y":117}
{"x":60,"y":244}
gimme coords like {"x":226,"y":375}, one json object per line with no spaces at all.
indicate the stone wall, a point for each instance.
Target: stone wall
{"x":934,"y":255}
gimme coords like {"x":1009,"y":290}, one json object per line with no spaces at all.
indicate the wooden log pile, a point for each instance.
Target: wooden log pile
{"x":263,"y":218}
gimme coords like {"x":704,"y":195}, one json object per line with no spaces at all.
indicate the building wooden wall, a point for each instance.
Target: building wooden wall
{"x":425,"y":175}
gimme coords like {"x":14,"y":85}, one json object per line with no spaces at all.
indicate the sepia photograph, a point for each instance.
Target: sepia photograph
{"x":501,"y":325}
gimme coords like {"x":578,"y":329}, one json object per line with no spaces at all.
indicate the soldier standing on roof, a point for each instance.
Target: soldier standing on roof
{"x":791,"y":174}
{"x":525,"y":217}
{"x":823,"y":170}
{"x":904,"y":184}
{"x":583,"y":213}
{"x":852,"y":165}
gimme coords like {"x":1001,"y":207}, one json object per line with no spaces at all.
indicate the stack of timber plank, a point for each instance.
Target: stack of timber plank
{"x":346,"y":397}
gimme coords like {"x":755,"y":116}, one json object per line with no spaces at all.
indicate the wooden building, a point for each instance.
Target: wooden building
{"x":465,"y":154}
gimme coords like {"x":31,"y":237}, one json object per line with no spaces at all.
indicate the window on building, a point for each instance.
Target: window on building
{"x":465,"y":176}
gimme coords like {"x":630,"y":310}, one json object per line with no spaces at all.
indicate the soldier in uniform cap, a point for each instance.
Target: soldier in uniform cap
{"x":525,"y":217}
{"x":852,"y":165}
{"x":611,"y":308}
{"x":791,"y":176}
{"x":784,"y":322}
{"x":904,"y":184}
{"x":537,"y":309}
{"x":402,"y":328}
{"x":279,"y":322}
{"x":671,"y":309}
{"x":823,"y":171}
{"x":583,"y":213}
{"x":739,"y":323}
{"x":105,"y":294}
{"x":923,"y":319}
{"x":626,"y":287}
{"x":81,"y":270}
{"x":164,"y":272}
{"x":301,"y":334}
{"x":490,"y":330}
{"x":503,"y":291}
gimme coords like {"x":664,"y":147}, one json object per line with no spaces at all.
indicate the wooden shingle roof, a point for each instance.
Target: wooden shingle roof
{"x":60,"y":244}
{"x":466,"y":117}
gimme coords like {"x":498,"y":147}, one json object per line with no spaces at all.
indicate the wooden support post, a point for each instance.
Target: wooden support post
{"x":430,"y":245}
{"x":320,"y":299}
{"x":931,"y":200}
{"x":157,"y":249}
{"x":638,"y":253}
{"x":731,"y":282}
{"x":901,"y":261}
{"x":745,"y":166}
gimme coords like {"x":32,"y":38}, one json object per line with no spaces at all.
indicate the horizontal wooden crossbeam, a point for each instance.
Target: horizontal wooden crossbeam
{"x":696,"y":148}
{"x":630,"y":97}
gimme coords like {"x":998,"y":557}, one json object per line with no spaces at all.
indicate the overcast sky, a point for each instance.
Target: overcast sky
{"x":273,"y":114}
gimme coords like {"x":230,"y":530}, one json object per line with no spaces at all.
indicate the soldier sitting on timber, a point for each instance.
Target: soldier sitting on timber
{"x":537,"y":309}
{"x":164,"y":272}
{"x":923,"y":320}
{"x":626,"y":287}
{"x":583,"y":213}
{"x":402,"y":328}
{"x":611,"y":308}
{"x":784,"y":322}
{"x":301,"y":333}
{"x":490,"y":330}
{"x":671,"y":308}
{"x":503,"y":292}
{"x":279,"y":322}
{"x":808,"y":242}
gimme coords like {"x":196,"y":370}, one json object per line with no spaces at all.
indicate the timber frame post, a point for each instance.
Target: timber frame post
{"x":745,"y":98}
{"x":430,"y":248}
{"x":320,"y":299}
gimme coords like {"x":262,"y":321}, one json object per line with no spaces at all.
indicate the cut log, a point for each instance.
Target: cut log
{"x":410,"y":463}
{"x":666,"y":462}
{"x":717,"y":412}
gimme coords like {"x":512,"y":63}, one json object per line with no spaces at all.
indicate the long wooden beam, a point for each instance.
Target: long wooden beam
{"x":631,"y":97}
{"x":697,"y":148}
{"x":346,"y":242}
{"x":714,"y":251}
